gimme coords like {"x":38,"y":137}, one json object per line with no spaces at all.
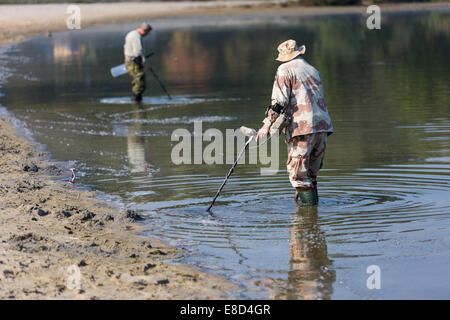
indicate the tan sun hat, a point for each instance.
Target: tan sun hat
{"x":288,"y":50}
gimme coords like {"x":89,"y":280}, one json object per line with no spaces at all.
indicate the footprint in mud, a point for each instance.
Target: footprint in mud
{"x":32,"y":167}
{"x":163,"y":281}
{"x":28,"y":185}
{"x":149,"y":266}
{"x":140,"y":285}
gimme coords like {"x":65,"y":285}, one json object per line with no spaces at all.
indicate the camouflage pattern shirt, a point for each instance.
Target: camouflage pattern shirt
{"x":298,"y":88}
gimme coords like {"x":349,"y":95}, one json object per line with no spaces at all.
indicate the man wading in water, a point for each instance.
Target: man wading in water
{"x":298,"y":109}
{"x":135,"y":59}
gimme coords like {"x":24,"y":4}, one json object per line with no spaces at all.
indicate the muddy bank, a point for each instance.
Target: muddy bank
{"x":50,"y":230}
{"x":26,"y":20}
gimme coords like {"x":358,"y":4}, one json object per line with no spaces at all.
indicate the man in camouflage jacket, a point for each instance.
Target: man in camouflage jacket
{"x":297,"y":95}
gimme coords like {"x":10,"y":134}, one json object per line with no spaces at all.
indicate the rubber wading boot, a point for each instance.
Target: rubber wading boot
{"x":309,"y":197}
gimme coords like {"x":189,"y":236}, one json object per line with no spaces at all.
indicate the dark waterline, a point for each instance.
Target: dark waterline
{"x":384,"y":187}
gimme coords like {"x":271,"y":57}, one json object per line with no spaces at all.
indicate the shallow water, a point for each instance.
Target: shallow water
{"x":384,"y":189}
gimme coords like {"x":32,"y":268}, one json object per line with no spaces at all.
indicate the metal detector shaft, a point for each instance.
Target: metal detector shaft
{"x":230,"y":172}
{"x":159,"y":81}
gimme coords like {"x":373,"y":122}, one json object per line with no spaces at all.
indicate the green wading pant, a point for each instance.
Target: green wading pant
{"x":136,"y":71}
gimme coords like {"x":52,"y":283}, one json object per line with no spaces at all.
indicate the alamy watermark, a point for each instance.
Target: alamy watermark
{"x":222,"y":149}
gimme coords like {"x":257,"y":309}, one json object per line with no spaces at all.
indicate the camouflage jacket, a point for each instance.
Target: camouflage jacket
{"x":298,"y":88}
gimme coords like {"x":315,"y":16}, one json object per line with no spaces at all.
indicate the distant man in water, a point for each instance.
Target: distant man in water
{"x":298,"y":109}
{"x":135,"y":58}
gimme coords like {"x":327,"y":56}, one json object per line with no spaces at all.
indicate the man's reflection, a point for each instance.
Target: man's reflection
{"x":309,"y":276}
{"x":136,"y":147}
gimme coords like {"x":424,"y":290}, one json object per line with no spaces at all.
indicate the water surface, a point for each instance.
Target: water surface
{"x":384,"y":189}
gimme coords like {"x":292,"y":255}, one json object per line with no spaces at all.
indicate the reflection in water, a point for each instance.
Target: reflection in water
{"x":136,"y":146}
{"x":309,"y":276}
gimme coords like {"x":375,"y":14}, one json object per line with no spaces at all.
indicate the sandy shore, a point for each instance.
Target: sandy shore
{"x":49,"y":228}
{"x":22,"y":21}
